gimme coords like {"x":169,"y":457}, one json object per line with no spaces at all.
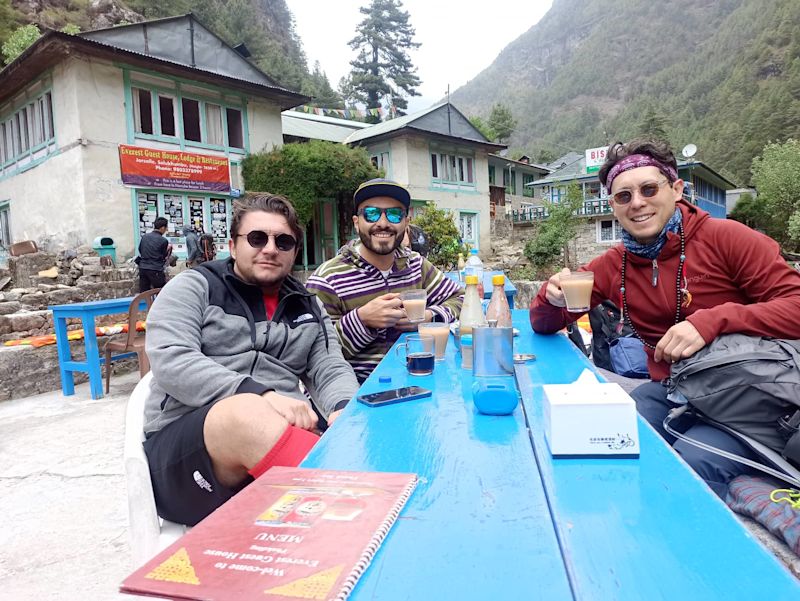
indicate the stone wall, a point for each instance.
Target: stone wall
{"x":583,"y":248}
{"x":73,"y":276}
{"x":28,"y":371}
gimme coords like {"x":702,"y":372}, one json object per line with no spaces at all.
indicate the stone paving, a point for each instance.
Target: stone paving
{"x":63,"y":499}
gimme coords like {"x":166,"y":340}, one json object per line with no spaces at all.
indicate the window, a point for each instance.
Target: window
{"x":592,"y":190}
{"x":26,"y":131}
{"x":142,"y":111}
{"x":609,"y":230}
{"x":510,"y":180}
{"x":36,"y":123}
{"x":5,"y":226}
{"x":235,"y":136}
{"x":381,"y":161}
{"x":3,"y":153}
{"x":491,"y":175}
{"x":527,"y":188}
{"x":453,"y":169}
{"x":191,"y":120}
{"x":214,"y":124}
{"x":48,"y":117}
{"x":468,"y":228}
{"x":22,"y":131}
{"x":166,"y":112}
{"x":162,"y":112}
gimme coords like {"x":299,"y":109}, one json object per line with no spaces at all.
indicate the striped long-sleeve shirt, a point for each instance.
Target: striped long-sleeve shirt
{"x":348,"y":282}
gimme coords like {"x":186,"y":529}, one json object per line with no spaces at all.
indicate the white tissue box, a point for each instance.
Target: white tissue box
{"x":590,"y":419}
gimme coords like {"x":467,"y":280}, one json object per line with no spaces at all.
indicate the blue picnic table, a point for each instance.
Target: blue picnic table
{"x":496,"y":517}
{"x":86,"y":312}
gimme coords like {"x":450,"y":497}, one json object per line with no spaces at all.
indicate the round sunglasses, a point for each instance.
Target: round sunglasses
{"x":259,"y":239}
{"x":373,"y":214}
{"x":647,"y":190}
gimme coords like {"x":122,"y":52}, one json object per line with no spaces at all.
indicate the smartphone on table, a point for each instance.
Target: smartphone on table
{"x":396,"y":395}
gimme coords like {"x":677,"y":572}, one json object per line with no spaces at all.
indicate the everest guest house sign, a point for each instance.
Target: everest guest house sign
{"x":173,"y":169}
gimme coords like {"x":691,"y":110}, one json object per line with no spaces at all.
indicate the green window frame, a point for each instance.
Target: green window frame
{"x":177,"y":116}
{"x":27,"y":131}
{"x":527,"y":190}
{"x":452,"y":168}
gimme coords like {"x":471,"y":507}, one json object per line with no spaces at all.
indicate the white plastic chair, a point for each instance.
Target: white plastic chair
{"x":149,"y":534}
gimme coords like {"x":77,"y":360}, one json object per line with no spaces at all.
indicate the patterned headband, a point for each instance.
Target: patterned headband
{"x":639,"y":160}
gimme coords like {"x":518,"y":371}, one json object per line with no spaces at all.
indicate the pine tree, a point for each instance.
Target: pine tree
{"x":319,"y":88}
{"x":383,"y":67}
{"x":653,"y":125}
{"x":501,"y":122}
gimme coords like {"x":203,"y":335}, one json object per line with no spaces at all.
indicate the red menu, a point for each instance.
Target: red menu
{"x":294,"y":533}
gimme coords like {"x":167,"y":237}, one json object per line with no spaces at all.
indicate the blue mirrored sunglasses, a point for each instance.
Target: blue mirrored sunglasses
{"x":373,"y":214}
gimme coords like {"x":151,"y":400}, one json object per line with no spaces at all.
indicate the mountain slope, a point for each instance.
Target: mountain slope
{"x":725,"y":74}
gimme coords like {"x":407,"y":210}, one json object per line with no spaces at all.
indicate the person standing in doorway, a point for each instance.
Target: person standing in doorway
{"x":153,"y":251}
{"x":193,"y":252}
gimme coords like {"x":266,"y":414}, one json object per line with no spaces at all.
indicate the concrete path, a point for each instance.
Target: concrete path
{"x":63,"y":499}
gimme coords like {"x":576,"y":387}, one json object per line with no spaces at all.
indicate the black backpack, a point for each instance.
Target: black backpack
{"x":750,"y":387}
{"x":604,"y":319}
{"x":207,"y":249}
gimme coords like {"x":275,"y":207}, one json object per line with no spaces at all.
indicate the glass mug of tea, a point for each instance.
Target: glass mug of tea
{"x":419,"y":354}
{"x":414,"y":302}
{"x":577,"y":288}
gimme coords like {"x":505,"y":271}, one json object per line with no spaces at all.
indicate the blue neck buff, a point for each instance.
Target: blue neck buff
{"x":650,"y":251}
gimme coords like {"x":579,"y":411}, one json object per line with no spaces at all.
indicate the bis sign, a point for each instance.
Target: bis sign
{"x":595,"y":158}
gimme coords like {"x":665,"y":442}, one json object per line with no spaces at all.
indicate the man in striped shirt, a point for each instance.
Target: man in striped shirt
{"x":360,"y":287}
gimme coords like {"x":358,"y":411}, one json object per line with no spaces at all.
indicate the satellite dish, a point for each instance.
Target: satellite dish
{"x":689,"y":151}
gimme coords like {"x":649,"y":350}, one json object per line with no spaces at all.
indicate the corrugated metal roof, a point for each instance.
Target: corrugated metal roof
{"x":391,"y":125}
{"x":44,"y":44}
{"x":301,"y":125}
{"x":567,"y":174}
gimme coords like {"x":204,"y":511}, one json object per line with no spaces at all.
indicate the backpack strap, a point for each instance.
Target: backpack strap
{"x":785,"y":471}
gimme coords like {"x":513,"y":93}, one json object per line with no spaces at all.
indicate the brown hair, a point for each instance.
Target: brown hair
{"x":658,"y":149}
{"x":269,"y":203}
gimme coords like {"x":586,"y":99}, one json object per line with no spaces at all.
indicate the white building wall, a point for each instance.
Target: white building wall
{"x":264,"y":124}
{"x":101,"y":98}
{"x":47,"y":200}
{"x":411,"y":164}
{"x":77,"y":195}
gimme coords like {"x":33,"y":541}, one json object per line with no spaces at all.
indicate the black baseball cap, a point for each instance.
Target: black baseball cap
{"x":381,"y":187}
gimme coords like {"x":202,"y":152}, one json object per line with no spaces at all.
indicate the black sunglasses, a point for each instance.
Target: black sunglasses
{"x":647,"y":190}
{"x":373,"y":214}
{"x":259,"y":239}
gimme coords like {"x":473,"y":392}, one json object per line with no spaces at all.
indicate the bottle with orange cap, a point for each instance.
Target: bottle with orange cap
{"x":471,"y":310}
{"x":498,"y":309}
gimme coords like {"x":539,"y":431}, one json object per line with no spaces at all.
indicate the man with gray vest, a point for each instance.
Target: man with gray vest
{"x":229,"y":342}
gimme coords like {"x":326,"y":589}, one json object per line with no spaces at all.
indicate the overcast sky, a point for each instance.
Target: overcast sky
{"x":459,"y":39}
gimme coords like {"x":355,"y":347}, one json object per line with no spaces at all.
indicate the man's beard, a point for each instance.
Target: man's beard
{"x":384,"y":247}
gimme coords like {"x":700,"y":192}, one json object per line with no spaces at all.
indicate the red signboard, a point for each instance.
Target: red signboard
{"x":174,"y":169}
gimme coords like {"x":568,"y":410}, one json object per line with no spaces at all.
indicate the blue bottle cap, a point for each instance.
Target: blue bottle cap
{"x":385,"y":379}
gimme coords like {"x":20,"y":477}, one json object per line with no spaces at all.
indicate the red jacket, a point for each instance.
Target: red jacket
{"x":737,"y":278}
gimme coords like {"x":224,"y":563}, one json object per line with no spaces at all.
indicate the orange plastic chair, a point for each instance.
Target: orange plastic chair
{"x":133,"y":341}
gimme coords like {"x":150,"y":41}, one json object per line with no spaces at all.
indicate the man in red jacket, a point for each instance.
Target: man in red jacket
{"x":682,"y":279}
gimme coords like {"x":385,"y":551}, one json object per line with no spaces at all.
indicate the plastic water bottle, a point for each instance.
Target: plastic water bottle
{"x":474,"y":266}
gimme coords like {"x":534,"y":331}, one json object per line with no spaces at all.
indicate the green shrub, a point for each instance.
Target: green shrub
{"x":306,"y":172}
{"x":444,"y":239}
